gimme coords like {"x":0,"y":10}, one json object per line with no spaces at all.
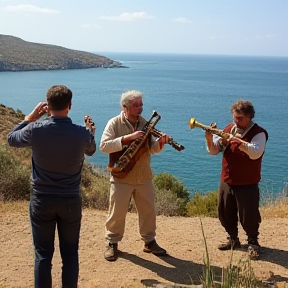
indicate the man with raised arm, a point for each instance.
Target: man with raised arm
{"x":58,"y":148}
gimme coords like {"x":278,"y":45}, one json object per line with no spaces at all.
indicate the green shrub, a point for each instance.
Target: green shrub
{"x":166,"y":186}
{"x":203,"y":204}
{"x":168,"y":204}
{"x":14,"y":177}
{"x":94,"y":187}
{"x":171,"y":197}
{"x":166,"y":181}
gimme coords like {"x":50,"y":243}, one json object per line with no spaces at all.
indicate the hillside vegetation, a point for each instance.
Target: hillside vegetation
{"x":172,"y":198}
{"x":15,"y":168}
{"x":19,"y":55}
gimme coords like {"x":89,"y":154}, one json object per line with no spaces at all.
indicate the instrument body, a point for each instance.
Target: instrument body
{"x":122,"y":162}
{"x":193,"y":123}
{"x":121,"y":166}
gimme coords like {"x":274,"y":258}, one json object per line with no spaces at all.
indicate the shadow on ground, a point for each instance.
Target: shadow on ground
{"x":185,"y":272}
{"x":177,"y":271}
{"x":277,"y":256}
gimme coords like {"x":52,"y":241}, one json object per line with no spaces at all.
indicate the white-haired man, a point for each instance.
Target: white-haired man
{"x":135,"y":182}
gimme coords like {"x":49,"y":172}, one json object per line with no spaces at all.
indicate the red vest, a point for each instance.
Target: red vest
{"x":237,"y":167}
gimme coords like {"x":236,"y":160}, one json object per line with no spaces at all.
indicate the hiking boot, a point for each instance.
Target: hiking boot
{"x":111,"y":253}
{"x":253,"y":248}
{"x":154,"y":248}
{"x":233,"y":243}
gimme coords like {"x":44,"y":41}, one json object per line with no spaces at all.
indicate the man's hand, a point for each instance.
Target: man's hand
{"x":37,"y":112}
{"x":237,"y":141}
{"x":208,"y":134}
{"x":164,"y":139}
{"x":89,"y":123}
{"x":224,"y":141}
{"x":127,"y":139}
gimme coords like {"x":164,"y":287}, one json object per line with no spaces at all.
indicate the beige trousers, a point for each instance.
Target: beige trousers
{"x":120,"y":196}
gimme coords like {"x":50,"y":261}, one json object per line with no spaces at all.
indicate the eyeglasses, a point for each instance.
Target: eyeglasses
{"x":240,"y":117}
{"x":137,"y":105}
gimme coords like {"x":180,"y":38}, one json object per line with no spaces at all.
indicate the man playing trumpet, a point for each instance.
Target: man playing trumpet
{"x":242,"y":151}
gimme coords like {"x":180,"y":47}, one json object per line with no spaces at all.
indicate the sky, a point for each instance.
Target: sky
{"x":213,"y":27}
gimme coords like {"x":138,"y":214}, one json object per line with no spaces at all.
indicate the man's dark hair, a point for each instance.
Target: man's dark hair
{"x":243,"y":106}
{"x":58,"y":97}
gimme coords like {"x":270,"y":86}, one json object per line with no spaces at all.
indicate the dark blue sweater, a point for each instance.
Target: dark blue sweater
{"x":58,"y":148}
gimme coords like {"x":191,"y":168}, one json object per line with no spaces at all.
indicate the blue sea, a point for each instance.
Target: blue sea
{"x":178,"y":87}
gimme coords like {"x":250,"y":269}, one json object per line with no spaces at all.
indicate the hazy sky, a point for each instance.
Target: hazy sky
{"x":230,"y":27}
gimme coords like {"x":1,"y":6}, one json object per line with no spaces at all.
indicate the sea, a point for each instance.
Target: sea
{"x":179,"y":87}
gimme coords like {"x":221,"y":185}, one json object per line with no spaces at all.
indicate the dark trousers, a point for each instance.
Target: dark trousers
{"x":45,"y":213}
{"x":239,"y":201}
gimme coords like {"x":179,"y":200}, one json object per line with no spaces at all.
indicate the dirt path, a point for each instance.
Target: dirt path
{"x":181,"y":237}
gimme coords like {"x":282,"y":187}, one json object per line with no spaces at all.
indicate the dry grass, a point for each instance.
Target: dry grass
{"x":277,"y":209}
{"x":10,"y":207}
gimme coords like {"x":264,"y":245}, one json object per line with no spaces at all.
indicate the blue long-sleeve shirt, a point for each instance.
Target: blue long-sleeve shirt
{"x":58,"y":148}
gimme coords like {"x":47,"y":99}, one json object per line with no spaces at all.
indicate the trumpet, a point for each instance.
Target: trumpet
{"x":193,"y":123}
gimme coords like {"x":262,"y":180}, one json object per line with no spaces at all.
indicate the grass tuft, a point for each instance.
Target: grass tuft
{"x":233,"y":276}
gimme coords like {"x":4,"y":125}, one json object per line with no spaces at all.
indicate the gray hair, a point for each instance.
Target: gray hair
{"x":129,"y":96}
{"x":243,"y":106}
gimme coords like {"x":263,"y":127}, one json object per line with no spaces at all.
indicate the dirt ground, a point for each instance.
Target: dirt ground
{"x":182,"y":237}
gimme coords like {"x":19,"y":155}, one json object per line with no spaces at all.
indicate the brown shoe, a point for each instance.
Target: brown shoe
{"x":253,"y":248}
{"x":154,"y":248}
{"x":111,"y":253}
{"x":231,"y":244}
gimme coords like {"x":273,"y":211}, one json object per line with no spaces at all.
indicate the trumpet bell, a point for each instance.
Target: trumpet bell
{"x":212,"y":128}
{"x":192,"y":123}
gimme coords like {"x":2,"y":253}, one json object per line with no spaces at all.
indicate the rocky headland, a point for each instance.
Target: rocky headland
{"x":19,"y":55}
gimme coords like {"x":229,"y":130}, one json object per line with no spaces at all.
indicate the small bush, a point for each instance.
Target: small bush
{"x":167,"y":181}
{"x":203,"y":205}
{"x":14,"y":179}
{"x":171,"y":189}
{"x":95,"y":188}
{"x":168,"y":204}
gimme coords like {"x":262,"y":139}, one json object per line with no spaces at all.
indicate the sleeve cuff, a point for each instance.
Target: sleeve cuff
{"x":23,"y":123}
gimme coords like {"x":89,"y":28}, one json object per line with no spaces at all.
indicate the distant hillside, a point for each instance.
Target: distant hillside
{"x":19,"y":55}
